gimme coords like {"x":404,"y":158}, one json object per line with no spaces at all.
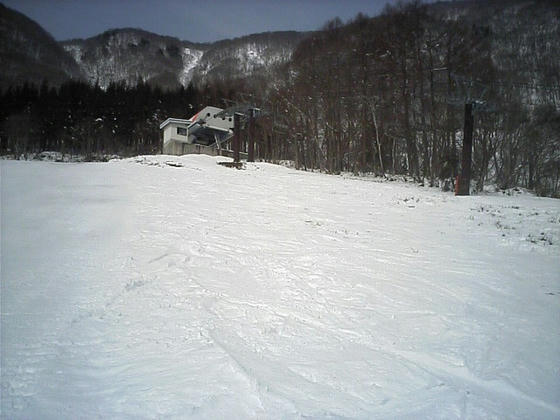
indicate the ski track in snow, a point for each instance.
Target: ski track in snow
{"x":136,"y":289}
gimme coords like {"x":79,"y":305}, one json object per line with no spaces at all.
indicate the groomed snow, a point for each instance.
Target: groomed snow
{"x":138,"y":289}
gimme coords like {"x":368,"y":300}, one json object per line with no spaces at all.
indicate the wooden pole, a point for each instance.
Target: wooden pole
{"x":251,"y":135}
{"x":236,"y":136}
{"x":465,"y":179}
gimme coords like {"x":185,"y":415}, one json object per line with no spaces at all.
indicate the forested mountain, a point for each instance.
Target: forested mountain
{"x":389,"y":94}
{"x":132,"y":54}
{"x":246,"y":56}
{"x":524,"y":37}
{"x":29,"y":54}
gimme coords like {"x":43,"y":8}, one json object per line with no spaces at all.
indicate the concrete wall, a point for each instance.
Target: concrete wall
{"x":173,"y":148}
{"x":166,"y":135}
{"x":178,"y":148}
{"x":170,"y":133}
{"x":197,"y":149}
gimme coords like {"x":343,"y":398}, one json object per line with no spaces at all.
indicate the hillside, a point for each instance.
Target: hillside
{"x":29,"y":54}
{"x":140,"y":289}
{"x":391,"y":93}
{"x":246,"y":56}
{"x":130,"y":55}
{"x":524,"y":38}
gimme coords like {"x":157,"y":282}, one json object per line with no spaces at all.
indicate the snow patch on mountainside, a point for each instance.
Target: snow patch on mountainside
{"x":103,"y":69}
{"x":253,"y":56}
{"x":125,"y":56}
{"x":75,"y":51}
{"x":191,"y":58}
{"x":242,"y":59}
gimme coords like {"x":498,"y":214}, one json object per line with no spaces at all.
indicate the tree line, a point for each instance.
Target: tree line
{"x":79,"y":119}
{"x":388,"y":95}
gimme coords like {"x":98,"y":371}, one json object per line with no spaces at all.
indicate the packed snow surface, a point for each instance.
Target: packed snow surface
{"x":167,"y":286}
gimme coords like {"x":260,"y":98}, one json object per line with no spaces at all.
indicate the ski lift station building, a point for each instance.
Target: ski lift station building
{"x":206,"y":132}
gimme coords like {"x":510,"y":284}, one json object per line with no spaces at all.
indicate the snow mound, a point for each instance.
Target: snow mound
{"x":187,"y":161}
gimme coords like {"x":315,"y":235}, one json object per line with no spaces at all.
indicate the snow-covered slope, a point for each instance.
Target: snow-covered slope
{"x":244,"y":56}
{"x":139,"y":289}
{"x":132,"y":54}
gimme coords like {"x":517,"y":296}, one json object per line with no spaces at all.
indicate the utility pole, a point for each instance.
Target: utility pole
{"x":236,"y":136}
{"x":251,"y":136}
{"x":243,"y":139}
{"x":471,"y":95}
{"x":465,"y":178}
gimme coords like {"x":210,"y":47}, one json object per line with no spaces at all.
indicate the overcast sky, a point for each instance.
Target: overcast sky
{"x":192,"y":20}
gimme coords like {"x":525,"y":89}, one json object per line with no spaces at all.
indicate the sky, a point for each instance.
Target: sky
{"x":191,"y":20}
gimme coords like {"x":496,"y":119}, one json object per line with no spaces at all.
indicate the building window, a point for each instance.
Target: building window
{"x":181,"y":131}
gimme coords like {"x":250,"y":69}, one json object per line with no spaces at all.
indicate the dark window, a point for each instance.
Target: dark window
{"x":181,"y":131}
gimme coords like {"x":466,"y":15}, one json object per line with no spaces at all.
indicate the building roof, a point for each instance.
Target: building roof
{"x":206,"y":112}
{"x":174,"y":121}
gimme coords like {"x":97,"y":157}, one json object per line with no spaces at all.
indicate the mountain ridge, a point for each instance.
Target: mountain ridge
{"x":127,"y":54}
{"x":30,"y":54}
